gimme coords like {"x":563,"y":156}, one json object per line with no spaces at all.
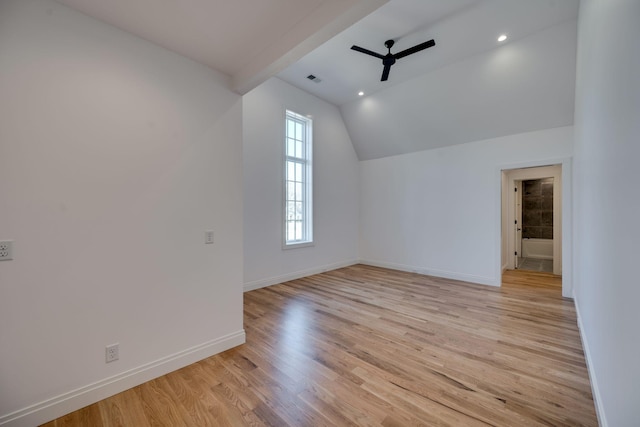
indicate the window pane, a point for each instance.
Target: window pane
{"x":299,"y":177}
{"x":299,"y":134}
{"x":290,"y":147}
{"x":291,"y":211}
{"x":292,"y":190}
{"x":298,"y":207}
{"x":298,"y":191}
{"x":291,"y":128}
{"x":299,"y":153}
{"x":291,"y":230}
{"x":291,"y":171}
{"x":298,"y":230}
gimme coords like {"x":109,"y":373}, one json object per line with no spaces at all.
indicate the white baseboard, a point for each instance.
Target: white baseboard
{"x":481,"y":280}
{"x":257,"y":284}
{"x":595,"y":390}
{"x":65,"y":403}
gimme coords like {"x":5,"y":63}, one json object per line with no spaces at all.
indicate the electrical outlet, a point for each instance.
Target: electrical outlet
{"x":112,"y":353}
{"x":208,"y":237}
{"x":6,"y":250}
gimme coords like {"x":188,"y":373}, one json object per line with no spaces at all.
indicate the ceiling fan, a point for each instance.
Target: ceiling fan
{"x":390,"y":58}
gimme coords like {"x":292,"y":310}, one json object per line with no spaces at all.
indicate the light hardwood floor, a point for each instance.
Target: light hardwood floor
{"x":373,"y":347}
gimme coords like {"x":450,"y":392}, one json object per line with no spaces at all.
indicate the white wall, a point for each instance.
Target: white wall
{"x":115,"y":156}
{"x":438,"y":211}
{"x":335,"y":186}
{"x":607,"y":206}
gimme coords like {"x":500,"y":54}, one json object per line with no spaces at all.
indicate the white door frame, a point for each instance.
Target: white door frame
{"x":539,"y":172}
{"x":563,"y":244}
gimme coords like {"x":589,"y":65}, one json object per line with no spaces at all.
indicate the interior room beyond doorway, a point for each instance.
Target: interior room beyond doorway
{"x":532,"y":228}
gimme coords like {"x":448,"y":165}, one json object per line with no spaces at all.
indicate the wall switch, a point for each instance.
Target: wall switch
{"x":112,"y":353}
{"x":6,"y":250}
{"x":208,"y":237}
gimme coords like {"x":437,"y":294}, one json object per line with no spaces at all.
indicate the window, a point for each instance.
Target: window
{"x":298,"y":213}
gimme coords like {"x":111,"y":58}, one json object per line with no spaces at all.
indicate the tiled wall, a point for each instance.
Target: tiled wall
{"x":537,"y":208}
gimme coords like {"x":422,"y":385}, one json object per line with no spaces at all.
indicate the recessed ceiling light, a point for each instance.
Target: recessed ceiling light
{"x":502,"y":37}
{"x":361,"y":93}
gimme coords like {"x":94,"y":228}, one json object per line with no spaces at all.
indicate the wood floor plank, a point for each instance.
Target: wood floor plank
{"x":87,"y":416}
{"x":367,"y":346}
{"x":123,"y":409}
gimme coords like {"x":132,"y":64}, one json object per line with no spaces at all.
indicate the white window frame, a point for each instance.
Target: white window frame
{"x":302,"y":166}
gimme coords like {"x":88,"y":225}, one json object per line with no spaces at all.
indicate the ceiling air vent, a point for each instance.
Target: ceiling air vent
{"x":314,"y":78}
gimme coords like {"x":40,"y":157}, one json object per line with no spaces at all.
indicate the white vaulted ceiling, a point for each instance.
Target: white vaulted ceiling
{"x":523,"y":86}
{"x":467,"y":88}
{"x":249,"y":40}
{"x":461,"y":29}
{"x":344,"y":72}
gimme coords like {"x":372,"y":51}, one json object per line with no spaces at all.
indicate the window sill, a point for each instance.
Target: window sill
{"x":297,"y":245}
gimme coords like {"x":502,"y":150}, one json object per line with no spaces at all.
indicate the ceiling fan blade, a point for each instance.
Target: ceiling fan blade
{"x":385,"y":73}
{"x":416,"y":48}
{"x":367,"y":51}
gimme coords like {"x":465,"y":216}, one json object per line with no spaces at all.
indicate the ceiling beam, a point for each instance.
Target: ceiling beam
{"x":329,"y":19}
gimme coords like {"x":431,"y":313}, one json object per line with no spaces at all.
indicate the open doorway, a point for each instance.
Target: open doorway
{"x":534,"y":224}
{"x":532,"y":219}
